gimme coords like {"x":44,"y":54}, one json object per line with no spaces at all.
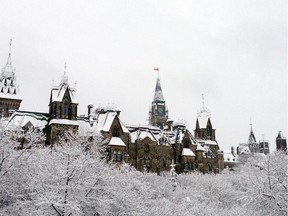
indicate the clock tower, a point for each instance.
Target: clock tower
{"x":158,"y":114}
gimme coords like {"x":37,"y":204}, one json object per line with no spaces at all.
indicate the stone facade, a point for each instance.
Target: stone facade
{"x":151,"y":148}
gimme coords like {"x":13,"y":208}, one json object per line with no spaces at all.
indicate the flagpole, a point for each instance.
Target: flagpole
{"x":157,"y":69}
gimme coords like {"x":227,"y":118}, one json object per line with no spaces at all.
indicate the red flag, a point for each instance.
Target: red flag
{"x":156,"y":69}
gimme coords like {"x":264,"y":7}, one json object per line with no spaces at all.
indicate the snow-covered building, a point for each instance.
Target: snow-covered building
{"x":150,"y":147}
{"x":153,"y":147}
{"x":251,"y":147}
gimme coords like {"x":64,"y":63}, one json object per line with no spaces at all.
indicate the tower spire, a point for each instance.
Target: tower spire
{"x":8,"y":69}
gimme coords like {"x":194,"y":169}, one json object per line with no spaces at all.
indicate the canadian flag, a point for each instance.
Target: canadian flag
{"x":156,"y":69}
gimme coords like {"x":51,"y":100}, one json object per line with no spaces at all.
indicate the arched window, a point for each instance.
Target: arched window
{"x":162,"y":163}
{"x":66,"y":109}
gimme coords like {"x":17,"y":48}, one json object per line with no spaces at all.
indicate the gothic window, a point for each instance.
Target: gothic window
{"x":116,"y":132}
{"x":162,"y":163}
{"x":66,"y":109}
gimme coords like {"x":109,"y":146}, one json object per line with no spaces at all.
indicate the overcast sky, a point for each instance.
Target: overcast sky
{"x":234,"y":52}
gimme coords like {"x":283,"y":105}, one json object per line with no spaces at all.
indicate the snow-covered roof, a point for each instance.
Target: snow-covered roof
{"x":22,"y":118}
{"x":200,"y":148}
{"x":10,"y":96}
{"x":243,"y":148}
{"x":116,"y":141}
{"x":207,"y":142}
{"x":87,"y":128}
{"x":57,"y":93}
{"x":105,"y":120}
{"x":229,"y":157}
{"x":187,"y":152}
{"x":64,"y":122}
{"x":142,"y":134}
{"x":99,"y":120}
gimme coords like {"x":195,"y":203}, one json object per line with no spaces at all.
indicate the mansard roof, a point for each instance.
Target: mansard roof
{"x":158,"y":95}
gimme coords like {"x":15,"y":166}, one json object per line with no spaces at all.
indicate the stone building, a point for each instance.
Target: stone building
{"x":62,"y":111}
{"x":153,"y":147}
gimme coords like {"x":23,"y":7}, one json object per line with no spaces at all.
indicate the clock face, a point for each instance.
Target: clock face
{"x":160,"y":111}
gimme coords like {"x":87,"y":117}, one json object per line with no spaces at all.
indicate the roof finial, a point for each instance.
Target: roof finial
{"x":203,"y":101}
{"x":250,"y":124}
{"x":10,"y":45}
{"x":65,"y":67}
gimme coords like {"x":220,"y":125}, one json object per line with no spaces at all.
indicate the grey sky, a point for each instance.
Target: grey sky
{"x":235,"y":52}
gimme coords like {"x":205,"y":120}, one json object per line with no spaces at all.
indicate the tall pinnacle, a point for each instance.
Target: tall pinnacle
{"x":8,"y":69}
{"x":158,"y":95}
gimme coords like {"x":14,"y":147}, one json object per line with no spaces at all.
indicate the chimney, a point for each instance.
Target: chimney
{"x":90,"y":106}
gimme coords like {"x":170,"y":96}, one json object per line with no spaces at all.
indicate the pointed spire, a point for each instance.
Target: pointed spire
{"x":251,"y":138}
{"x":8,"y":70}
{"x":158,"y":95}
{"x":9,"y":60}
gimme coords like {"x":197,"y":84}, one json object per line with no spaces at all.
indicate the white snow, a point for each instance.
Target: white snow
{"x":187,"y":152}
{"x":64,"y":122}
{"x":116,"y":141}
{"x":200,"y":148}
